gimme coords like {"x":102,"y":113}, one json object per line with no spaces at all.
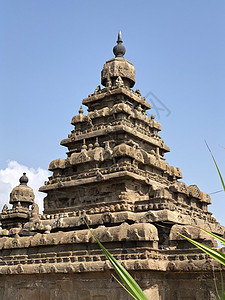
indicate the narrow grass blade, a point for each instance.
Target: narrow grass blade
{"x":219,"y":238}
{"x":214,"y":279}
{"x":221,"y":178}
{"x":222,"y":285}
{"x":131,"y":285}
{"x":122,"y":285}
{"x":219,"y":256}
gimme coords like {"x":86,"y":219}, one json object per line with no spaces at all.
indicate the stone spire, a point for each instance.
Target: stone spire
{"x":23,"y":179}
{"x":119,"y":50}
{"x":21,"y":197}
{"x":22,"y":194}
{"x":118,"y":68}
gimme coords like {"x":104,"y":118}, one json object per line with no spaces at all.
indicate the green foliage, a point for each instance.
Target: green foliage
{"x":222,"y":284}
{"x":130,"y":285}
{"x":217,"y":255}
{"x":217,"y":168}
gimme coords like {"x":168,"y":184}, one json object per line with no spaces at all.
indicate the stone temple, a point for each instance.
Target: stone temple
{"x":116,"y":177}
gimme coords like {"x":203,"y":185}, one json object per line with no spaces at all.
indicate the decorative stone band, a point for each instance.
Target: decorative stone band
{"x":107,"y":130}
{"x":83,"y":181}
{"x":117,"y":108}
{"x":65,"y":256}
{"x":192,"y":261}
{"x":71,"y":262}
{"x":130,"y":94}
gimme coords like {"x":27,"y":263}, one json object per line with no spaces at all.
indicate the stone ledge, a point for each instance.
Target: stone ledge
{"x":116,"y":128}
{"x":122,"y":90}
{"x":83,"y":181}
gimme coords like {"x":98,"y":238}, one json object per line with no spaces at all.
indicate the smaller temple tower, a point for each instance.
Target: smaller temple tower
{"x":21,"y":197}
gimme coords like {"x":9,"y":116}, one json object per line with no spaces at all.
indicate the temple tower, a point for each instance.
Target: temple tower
{"x":21,"y":197}
{"x":116,"y":177}
{"x":115,"y":156}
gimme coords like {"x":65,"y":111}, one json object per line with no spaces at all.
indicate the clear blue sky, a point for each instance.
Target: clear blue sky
{"x":51,"y":56}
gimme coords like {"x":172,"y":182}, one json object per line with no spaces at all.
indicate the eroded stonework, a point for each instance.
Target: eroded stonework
{"x":116,"y":177}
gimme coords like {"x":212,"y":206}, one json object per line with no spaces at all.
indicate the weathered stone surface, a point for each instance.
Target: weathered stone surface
{"x":118,"y":67}
{"x":85,"y":286}
{"x":192,"y":232}
{"x":21,"y":197}
{"x":116,"y":178}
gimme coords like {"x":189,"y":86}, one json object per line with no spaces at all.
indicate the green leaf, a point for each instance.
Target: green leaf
{"x":131,"y":285}
{"x":122,"y":285}
{"x":219,"y":238}
{"x":222,"y":284}
{"x":219,"y":256}
{"x":214,"y":279}
{"x":221,"y":178}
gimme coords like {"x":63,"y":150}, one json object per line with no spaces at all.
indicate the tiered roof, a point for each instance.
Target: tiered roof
{"x":116,"y":177}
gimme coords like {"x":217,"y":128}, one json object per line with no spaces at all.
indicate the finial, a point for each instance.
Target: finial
{"x":119,"y":50}
{"x":84,"y":146}
{"x":90,"y":146}
{"x":119,"y":37}
{"x":23,"y":180}
{"x":81,"y":110}
{"x":96,"y":144}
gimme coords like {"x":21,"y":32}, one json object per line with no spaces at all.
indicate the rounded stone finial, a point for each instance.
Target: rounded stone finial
{"x":96,"y":144}
{"x":81,"y":110}
{"x":22,"y":194}
{"x":119,"y":50}
{"x":84,"y":146}
{"x":23,"y":180}
{"x":118,"y":67}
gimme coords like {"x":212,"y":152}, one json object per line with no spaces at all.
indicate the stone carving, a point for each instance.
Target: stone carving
{"x":4,"y":209}
{"x":108,"y":81}
{"x":116,"y":67}
{"x":116,"y":178}
{"x":77,"y":120}
{"x":194,"y":191}
{"x":99,"y":175}
{"x":98,"y":89}
{"x":35,"y":211}
{"x":138,"y":92}
{"x":57,"y":164}
{"x":119,"y":82}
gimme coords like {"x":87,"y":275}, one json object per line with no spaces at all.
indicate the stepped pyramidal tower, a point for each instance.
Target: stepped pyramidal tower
{"x":116,"y":177}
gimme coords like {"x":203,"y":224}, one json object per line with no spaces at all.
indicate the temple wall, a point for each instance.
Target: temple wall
{"x":101,"y":286}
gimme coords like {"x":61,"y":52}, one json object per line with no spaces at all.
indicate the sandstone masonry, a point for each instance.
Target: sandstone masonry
{"x":116,"y":177}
